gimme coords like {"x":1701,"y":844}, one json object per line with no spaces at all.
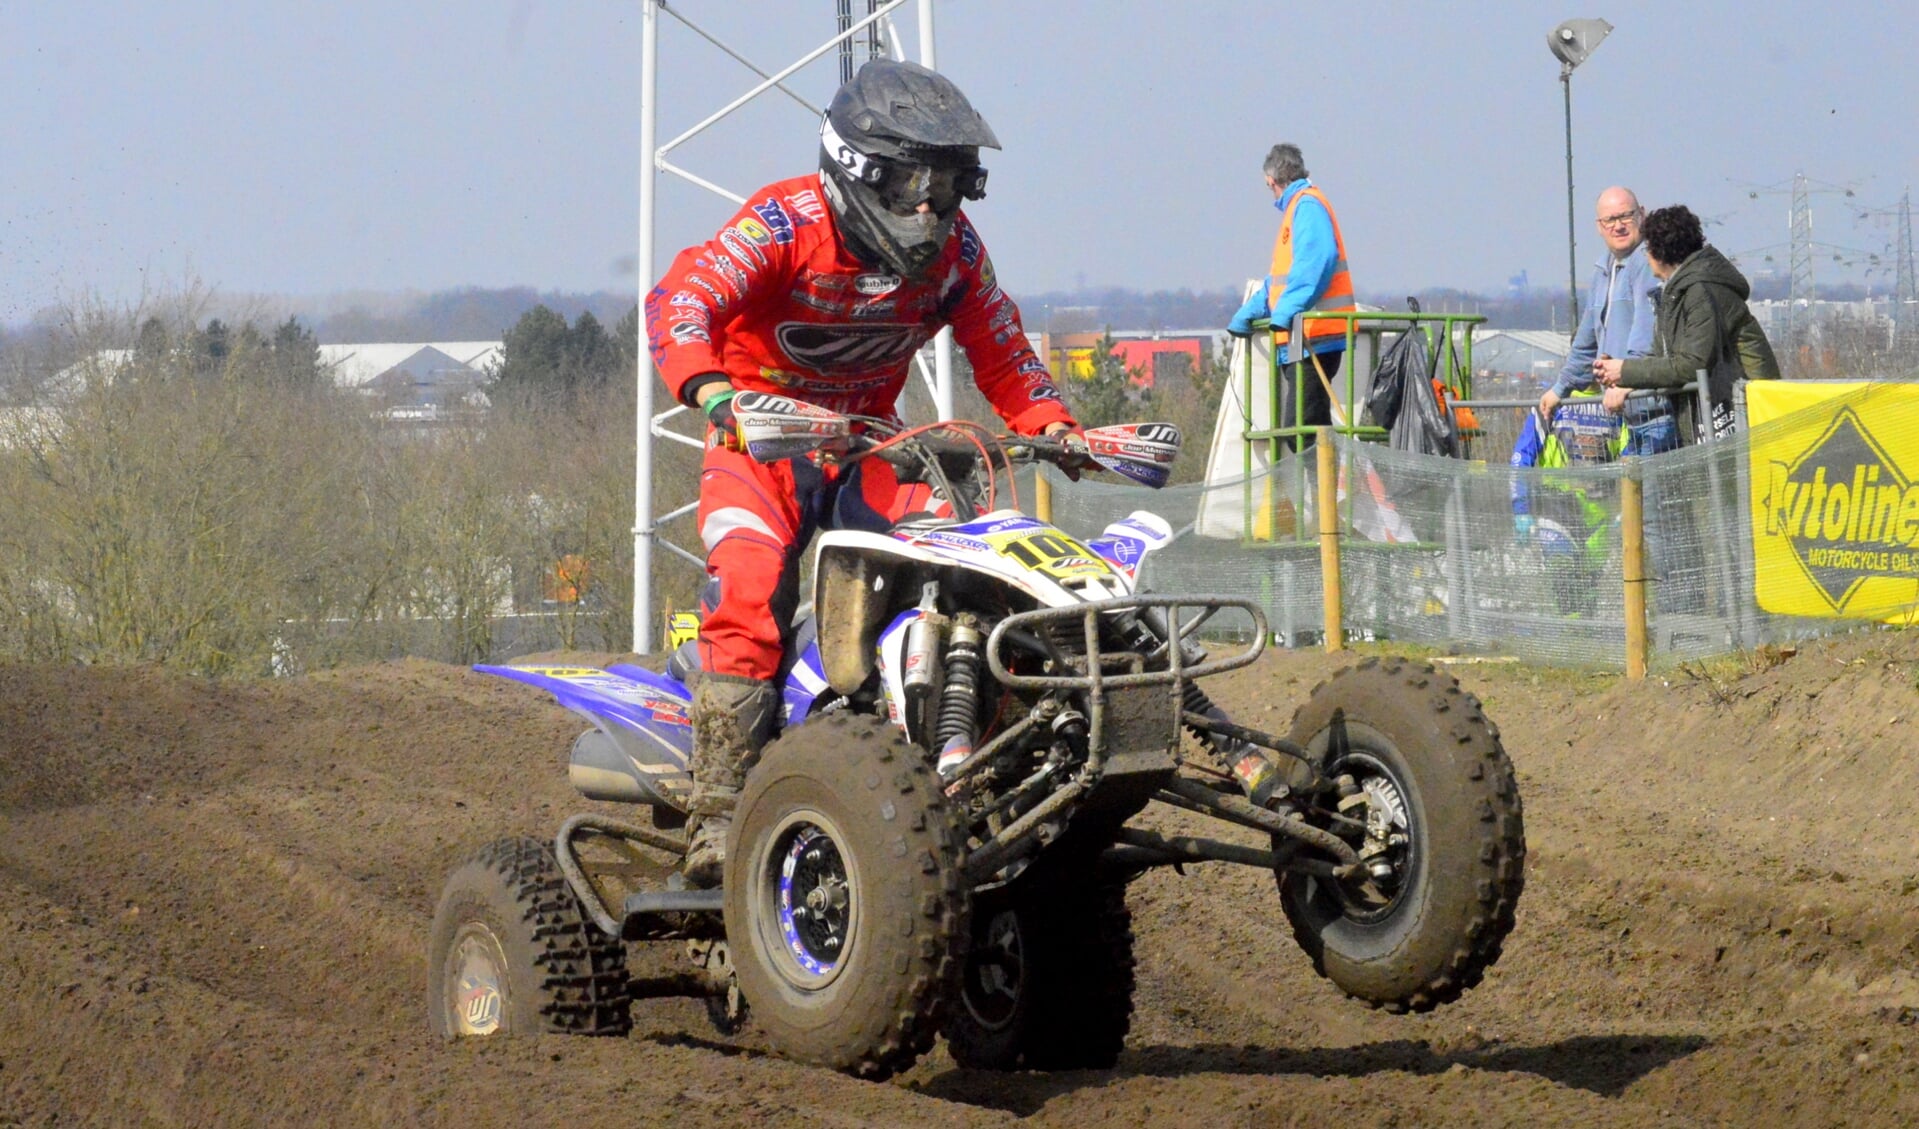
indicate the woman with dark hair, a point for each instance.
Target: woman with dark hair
{"x":1703,"y":322}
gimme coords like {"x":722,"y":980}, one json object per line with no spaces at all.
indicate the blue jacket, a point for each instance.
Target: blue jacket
{"x":1314,"y":253}
{"x":1628,"y":328}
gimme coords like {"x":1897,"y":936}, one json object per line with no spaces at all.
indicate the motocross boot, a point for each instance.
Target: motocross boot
{"x":732,"y":717}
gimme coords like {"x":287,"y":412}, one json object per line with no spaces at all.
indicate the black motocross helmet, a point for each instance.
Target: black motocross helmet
{"x":895,"y":137}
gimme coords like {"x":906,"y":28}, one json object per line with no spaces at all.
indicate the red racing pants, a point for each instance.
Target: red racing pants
{"x":756,"y":519}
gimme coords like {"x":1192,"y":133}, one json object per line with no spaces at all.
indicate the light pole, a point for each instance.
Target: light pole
{"x":1571,"y":42}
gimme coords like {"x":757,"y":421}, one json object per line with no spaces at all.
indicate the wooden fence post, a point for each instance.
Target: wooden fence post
{"x":1632,"y":537}
{"x":1329,"y":538}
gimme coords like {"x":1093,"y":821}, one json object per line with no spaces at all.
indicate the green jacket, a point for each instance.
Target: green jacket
{"x":1701,"y":308}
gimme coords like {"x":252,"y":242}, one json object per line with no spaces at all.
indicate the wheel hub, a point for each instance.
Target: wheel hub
{"x":476,"y":979}
{"x":1385,"y":848}
{"x":815,"y":900}
{"x":996,"y":971}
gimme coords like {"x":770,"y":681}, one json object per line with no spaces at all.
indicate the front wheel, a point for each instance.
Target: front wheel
{"x":512,"y":952}
{"x":845,"y":908}
{"x":1443,"y":840}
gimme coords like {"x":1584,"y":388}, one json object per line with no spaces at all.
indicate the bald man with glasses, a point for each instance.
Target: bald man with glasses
{"x":1618,"y":322}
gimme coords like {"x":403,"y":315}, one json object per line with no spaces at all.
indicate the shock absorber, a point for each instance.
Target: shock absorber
{"x":1252,"y":768}
{"x":958,"y":724}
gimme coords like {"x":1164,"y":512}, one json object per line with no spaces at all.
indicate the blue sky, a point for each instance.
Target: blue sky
{"x":307,"y":149}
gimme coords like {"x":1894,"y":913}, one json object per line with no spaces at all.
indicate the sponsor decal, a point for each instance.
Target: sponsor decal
{"x":1846,"y":511}
{"x":728,"y":270}
{"x":946,"y":539}
{"x":1124,"y":550}
{"x":848,"y":385}
{"x":780,"y":378}
{"x":876,"y":284}
{"x":815,"y":302}
{"x":1147,"y":533}
{"x":685,"y":331}
{"x":687,"y":298}
{"x":884,"y":309}
{"x":1040,"y":392}
{"x":742,"y":248}
{"x":720,"y":300}
{"x":988,"y":277}
{"x":755,"y":231}
{"x":1052,"y":554}
{"x":1003,"y":525}
{"x":807,"y":206}
{"x":849,"y":350}
{"x":969,"y":243}
{"x":825,"y":282}
{"x":777,"y":222}
{"x":1034,"y":367}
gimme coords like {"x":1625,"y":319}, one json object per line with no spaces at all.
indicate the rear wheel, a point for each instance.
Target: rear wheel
{"x":1048,"y":980}
{"x":1443,"y":842}
{"x":512,"y":952}
{"x":845,"y":909}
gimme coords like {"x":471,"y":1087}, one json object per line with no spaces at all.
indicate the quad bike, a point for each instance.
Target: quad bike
{"x":940,"y":839}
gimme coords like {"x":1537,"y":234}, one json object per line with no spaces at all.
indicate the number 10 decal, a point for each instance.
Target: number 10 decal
{"x":1054,"y":555}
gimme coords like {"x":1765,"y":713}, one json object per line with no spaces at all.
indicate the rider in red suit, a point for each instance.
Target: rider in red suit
{"x":823,"y":288}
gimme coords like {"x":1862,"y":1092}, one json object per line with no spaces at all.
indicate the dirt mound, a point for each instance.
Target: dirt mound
{"x":214,"y":900}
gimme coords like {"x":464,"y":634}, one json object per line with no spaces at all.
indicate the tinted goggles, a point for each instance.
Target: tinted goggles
{"x":902,"y":187}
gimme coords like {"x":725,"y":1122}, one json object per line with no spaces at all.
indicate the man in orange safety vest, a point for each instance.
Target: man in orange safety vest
{"x":1308,"y":275}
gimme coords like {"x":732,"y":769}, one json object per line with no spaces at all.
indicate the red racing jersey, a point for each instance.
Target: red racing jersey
{"x":777,"y":303}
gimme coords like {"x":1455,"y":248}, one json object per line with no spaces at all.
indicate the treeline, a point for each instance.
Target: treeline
{"x":542,"y":358}
{"x":470,"y":313}
{"x":211,"y":515}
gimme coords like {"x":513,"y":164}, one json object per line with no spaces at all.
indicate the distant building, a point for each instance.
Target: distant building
{"x":1516,"y":363}
{"x":419,"y":382}
{"x":1155,"y":357}
{"x":415,"y":381}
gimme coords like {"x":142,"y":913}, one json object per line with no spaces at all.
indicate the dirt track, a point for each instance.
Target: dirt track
{"x":214,"y":901}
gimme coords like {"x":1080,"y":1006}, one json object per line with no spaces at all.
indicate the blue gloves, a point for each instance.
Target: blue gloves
{"x":1254,"y":310}
{"x":1522,"y":526}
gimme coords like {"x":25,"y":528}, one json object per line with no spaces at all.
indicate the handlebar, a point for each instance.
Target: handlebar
{"x":775,"y":427}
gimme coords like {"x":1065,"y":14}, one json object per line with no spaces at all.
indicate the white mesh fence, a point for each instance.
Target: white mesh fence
{"x":1430,"y":552}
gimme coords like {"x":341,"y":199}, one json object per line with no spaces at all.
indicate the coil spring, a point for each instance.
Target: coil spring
{"x":959,"y":702}
{"x":1194,"y":700}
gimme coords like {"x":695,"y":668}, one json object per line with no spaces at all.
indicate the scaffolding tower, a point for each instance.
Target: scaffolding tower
{"x":881,"y":38}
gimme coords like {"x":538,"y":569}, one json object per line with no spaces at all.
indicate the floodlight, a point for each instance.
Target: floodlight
{"x":1572,"y":41}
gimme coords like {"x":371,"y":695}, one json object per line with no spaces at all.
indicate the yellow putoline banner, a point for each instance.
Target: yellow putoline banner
{"x":1835,"y":498}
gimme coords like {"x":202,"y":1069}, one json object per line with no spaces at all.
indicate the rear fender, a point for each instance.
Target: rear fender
{"x":640,"y":719}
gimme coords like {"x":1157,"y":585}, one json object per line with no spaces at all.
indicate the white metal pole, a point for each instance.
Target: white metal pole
{"x":643,"y":408}
{"x":942,"y":344}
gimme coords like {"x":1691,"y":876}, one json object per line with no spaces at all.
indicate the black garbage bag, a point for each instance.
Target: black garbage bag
{"x":1403,"y":358}
{"x":1404,"y":401}
{"x":1424,"y":425}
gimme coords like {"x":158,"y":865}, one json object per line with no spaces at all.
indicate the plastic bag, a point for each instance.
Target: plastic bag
{"x":1424,"y":425}
{"x":1403,"y":363}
